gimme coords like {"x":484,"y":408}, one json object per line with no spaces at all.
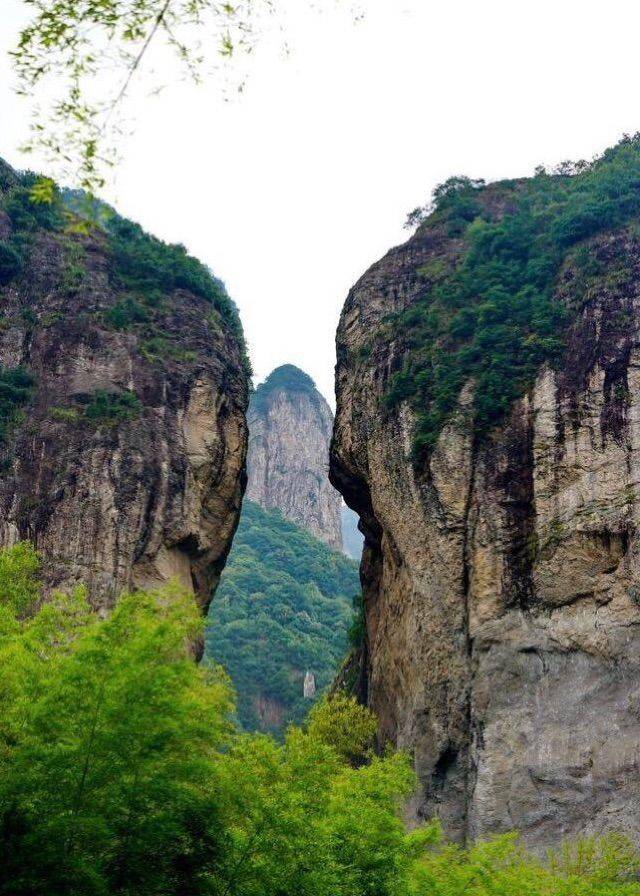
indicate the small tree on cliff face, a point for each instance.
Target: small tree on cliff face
{"x":73,"y":44}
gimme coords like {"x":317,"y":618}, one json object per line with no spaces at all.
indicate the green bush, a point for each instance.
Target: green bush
{"x":157,"y":348}
{"x":493,"y":317}
{"x":127,"y":312}
{"x":64,"y":415}
{"x":16,"y":389}
{"x":11,"y":262}
{"x":112,"y":406}
{"x":501,"y":867}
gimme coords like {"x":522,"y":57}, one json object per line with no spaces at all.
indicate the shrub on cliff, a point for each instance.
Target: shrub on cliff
{"x":492,"y":317}
{"x":500,"y":867}
{"x":16,"y":387}
{"x":11,"y":261}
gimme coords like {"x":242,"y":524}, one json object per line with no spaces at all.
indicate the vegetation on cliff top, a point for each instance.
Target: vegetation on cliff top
{"x":287,"y":378}
{"x":491,"y":316}
{"x":142,"y":267}
{"x":283,"y":606}
{"x":121,"y":773}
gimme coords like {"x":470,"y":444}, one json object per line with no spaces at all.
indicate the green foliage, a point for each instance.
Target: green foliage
{"x":11,"y":261}
{"x":157,"y":348}
{"x":340,"y":722}
{"x":69,"y":47}
{"x":121,"y":773}
{"x":65,"y":415}
{"x":142,"y":264}
{"x":19,"y":582}
{"x":112,"y":406}
{"x":74,"y":271}
{"x":16,"y":388}
{"x":127,"y":312}
{"x":500,"y":867}
{"x":26,"y":218}
{"x":287,"y":378}
{"x":26,"y":214}
{"x":107,"y":733}
{"x":356,"y":633}
{"x":283,"y":606}
{"x":493,"y":318}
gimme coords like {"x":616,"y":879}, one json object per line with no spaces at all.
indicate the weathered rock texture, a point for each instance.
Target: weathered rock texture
{"x":135,"y":502}
{"x":501,"y":580}
{"x":287,"y":465}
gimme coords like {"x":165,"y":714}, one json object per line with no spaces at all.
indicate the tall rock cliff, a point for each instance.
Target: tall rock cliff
{"x":289,"y":433}
{"x":122,"y":401}
{"x":500,"y":572}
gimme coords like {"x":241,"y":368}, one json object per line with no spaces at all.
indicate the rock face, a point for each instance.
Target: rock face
{"x":126,"y":465}
{"x":289,"y":433}
{"x":501,"y":577}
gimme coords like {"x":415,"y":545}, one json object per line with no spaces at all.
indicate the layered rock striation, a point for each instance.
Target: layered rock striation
{"x":123,"y":457}
{"x":290,"y":426}
{"x":500,"y":572}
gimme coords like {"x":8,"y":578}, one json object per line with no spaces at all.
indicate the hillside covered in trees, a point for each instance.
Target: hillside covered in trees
{"x":283,"y":607}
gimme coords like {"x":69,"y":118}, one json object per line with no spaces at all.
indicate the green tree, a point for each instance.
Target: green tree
{"x":501,"y":867}
{"x":108,"y":732}
{"x":66,"y":45}
{"x":121,"y":775}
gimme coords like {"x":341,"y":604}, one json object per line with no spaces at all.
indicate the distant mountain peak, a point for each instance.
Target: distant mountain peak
{"x":290,"y":426}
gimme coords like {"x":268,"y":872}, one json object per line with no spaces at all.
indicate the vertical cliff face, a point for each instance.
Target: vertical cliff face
{"x":122,"y":402}
{"x":500,"y":571}
{"x":289,"y":433}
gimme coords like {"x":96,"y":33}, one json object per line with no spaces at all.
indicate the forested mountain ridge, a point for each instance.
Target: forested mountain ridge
{"x":288,"y":459}
{"x":283,"y":609}
{"x":486,"y":432}
{"x":123,"y":389}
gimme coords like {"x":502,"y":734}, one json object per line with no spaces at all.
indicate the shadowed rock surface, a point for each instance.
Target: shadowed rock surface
{"x":126,"y":465}
{"x":287,"y":464}
{"x":500,"y":575}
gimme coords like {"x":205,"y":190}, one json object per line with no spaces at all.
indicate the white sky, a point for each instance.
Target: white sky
{"x":292,"y":189}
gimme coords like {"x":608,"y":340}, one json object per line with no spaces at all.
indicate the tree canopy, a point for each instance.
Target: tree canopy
{"x":121,"y":773}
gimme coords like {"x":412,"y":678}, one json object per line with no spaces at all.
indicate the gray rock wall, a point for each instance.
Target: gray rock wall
{"x":501,"y":579}
{"x":288,"y":457}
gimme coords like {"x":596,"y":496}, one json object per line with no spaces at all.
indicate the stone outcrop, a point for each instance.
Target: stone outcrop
{"x":501,"y":578}
{"x":126,"y":466}
{"x":287,"y":464}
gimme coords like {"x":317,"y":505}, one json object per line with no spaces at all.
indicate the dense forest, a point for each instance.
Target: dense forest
{"x":283,"y":607}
